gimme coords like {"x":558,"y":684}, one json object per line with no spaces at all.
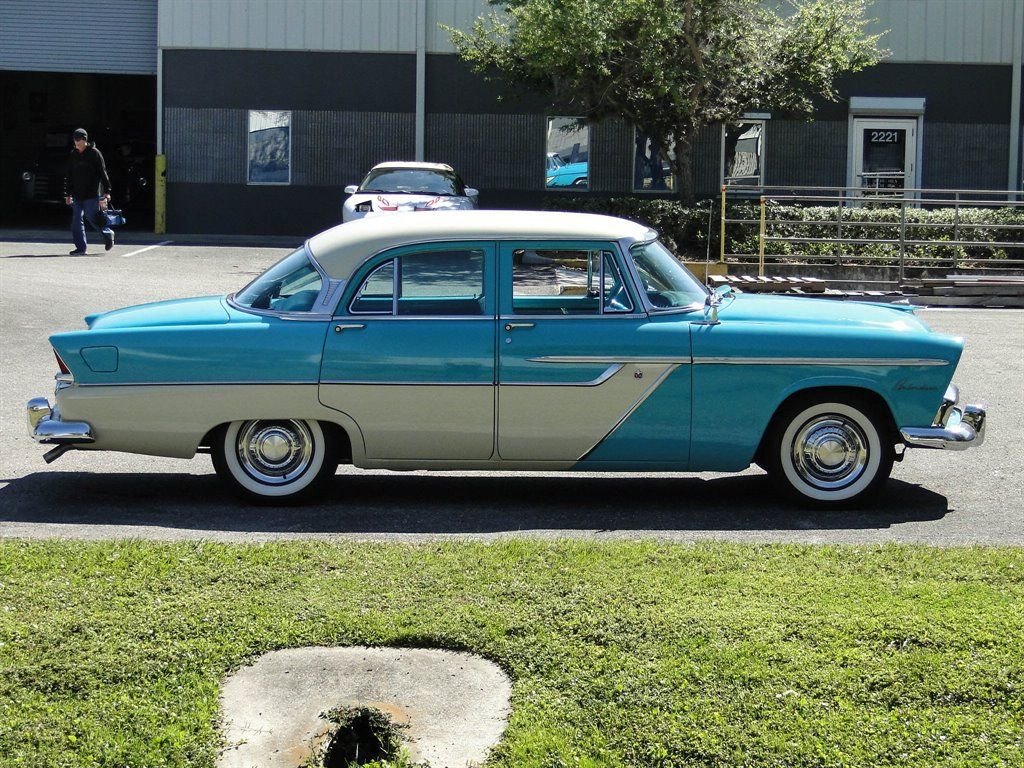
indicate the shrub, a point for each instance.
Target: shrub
{"x":809,"y":232}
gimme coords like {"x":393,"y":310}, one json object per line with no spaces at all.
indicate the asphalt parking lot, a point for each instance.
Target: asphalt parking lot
{"x":941,"y":498}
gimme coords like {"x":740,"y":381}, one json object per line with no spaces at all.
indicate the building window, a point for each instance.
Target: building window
{"x":567,"y":160}
{"x":651,"y":169}
{"x":270,"y":146}
{"x":743,"y":153}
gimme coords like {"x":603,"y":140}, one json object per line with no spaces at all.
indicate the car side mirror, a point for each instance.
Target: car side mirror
{"x":351,"y":189}
{"x":470,"y":192}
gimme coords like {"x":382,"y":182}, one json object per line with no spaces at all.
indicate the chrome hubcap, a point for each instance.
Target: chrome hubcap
{"x":830,"y":452}
{"x":274,"y":452}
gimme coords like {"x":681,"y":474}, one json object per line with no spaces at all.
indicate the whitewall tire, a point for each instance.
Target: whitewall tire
{"x":274,"y":460}
{"x":826,"y":453}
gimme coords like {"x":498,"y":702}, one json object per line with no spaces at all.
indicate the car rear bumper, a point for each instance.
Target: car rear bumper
{"x":46,"y":426}
{"x":955,"y":428}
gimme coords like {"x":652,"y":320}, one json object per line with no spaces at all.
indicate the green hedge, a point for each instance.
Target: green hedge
{"x":688,"y":229}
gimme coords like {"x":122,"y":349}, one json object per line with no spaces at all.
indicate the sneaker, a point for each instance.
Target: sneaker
{"x":108,"y":241}
{"x":77,"y":252}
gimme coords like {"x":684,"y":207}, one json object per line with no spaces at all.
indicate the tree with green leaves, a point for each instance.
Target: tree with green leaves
{"x":670,"y":68}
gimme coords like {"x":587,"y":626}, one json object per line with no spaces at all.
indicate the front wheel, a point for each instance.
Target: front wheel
{"x":826,"y":453}
{"x":274,"y":460}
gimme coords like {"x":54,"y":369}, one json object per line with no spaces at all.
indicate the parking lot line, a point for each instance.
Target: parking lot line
{"x":147,"y":248}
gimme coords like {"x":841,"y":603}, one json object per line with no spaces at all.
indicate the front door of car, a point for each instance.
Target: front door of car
{"x":578,"y":360}
{"x":409,"y":355}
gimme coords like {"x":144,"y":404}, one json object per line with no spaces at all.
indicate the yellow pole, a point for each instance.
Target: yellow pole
{"x":760,"y":242}
{"x":160,"y":196}
{"x":721,"y":234}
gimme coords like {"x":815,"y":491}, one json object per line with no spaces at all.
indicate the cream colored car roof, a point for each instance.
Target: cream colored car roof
{"x":341,"y":249}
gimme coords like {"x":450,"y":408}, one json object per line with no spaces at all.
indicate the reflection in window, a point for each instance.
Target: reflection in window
{"x":651,"y":170}
{"x":742,"y":150}
{"x":291,"y":285}
{"x":567,"y":159}
{"x":430,"y":283}
{"x":270,"y":147}
{"x":567,"y":282}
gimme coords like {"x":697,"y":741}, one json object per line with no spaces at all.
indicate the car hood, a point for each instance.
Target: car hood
{"x":815,"y":312}
{"x":207,"y":310}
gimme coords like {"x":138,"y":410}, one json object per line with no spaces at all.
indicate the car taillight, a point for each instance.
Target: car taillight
{"x":60,"y":364}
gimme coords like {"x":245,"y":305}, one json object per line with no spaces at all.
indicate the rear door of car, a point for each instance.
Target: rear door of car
{"x":578,"y":360}
{"x":410,"y":353}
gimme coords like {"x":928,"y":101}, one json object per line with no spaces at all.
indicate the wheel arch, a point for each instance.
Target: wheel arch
{"x":843,"y":393}
{"x":336,"y":433}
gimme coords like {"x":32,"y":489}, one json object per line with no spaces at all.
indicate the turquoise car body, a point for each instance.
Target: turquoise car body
{"x":689,"y":389}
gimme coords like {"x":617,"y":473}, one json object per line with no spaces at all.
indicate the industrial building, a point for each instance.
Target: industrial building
{"x":263,"y":110}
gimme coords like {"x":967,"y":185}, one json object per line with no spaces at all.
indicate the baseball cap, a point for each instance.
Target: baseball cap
{"x":80,"y":133}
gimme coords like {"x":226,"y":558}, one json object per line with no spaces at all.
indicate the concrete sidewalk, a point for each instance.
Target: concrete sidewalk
{"x":141,"y":237}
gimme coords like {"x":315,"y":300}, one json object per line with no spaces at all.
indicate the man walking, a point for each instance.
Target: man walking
{"x":86,"y":188}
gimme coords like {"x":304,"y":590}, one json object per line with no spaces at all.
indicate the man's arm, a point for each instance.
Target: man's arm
{"x":105,"y":184}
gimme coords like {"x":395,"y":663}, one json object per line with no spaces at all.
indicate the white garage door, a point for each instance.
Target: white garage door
{"x":98,"y":36}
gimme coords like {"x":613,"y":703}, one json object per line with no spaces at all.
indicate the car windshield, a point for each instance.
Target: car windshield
{"x":291,"y":285}
{"x":668,"y":284}
{"x":412,"y":181}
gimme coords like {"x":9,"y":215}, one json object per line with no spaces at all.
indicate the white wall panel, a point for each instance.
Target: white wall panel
{"x":954,"y":31}
{"x":107,"y":36}
{"x":313,"y":25}
{"x":950,"y":31}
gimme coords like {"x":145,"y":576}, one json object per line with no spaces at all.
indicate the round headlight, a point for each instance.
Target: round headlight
{"x":27,"y":176}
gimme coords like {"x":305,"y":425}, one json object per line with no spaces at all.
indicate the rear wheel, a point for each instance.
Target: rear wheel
{"x":274,"y":460}
{"x":829,"y":453}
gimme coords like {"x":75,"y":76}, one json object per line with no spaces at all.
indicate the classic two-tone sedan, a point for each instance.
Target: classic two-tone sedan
{"x":507,"y":340}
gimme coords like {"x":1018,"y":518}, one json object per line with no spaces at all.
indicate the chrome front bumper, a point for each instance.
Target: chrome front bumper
{"x":954,"y":428}
{"x":46,"y":426}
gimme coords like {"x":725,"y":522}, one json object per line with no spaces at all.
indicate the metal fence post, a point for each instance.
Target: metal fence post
{"x":721,"y":235}
{"x":760,"y":244}
{"x":956,"y":230}
{"x":838,"y":251}
{"x":903,"y":237}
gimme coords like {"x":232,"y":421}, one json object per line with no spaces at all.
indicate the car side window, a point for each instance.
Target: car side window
{"x":291,"y":285}
{"x":431,"y":283}
{"x":558,"y":281}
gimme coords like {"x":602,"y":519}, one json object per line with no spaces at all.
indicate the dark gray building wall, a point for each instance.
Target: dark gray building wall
{"x":352,"y":110}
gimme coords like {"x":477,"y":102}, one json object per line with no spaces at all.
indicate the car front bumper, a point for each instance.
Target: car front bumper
{"x":46,"y":426}
{"x":955,"y":428}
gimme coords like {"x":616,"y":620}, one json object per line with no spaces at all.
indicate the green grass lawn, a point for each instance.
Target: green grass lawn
{"x":634,"y":654}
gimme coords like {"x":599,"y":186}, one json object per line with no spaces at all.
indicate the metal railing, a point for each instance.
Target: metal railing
{"x":909,"y":239}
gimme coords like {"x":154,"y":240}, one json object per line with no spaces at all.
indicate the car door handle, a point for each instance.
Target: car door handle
{"x":349,"y":327}
{"x":513,"y":326}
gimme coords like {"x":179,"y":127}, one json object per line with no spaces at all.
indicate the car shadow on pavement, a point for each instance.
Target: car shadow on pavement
{"x":447,"y":504}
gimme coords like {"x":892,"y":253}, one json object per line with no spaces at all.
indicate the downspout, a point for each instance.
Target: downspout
{"x":421,"y":77}
{"x":1016,"y":172}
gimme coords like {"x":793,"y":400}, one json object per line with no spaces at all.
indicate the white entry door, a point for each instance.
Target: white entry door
{"x":884,"y":154}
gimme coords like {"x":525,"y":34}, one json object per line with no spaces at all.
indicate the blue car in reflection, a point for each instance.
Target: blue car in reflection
{"x":562,"y":174}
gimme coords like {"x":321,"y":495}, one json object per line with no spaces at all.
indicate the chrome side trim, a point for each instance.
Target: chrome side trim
{"x":312,"y":383}
{"x":597,"y":360}
{"x":360,"y":383}
{"x":632,"y":409}
{"x":610,"y":371}
{"x":886,"y":362}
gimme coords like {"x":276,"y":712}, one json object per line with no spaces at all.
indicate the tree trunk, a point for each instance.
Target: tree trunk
{"x":682,"y":167}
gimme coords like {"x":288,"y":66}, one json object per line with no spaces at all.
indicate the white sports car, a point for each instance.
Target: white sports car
{"x":390,"y":187}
